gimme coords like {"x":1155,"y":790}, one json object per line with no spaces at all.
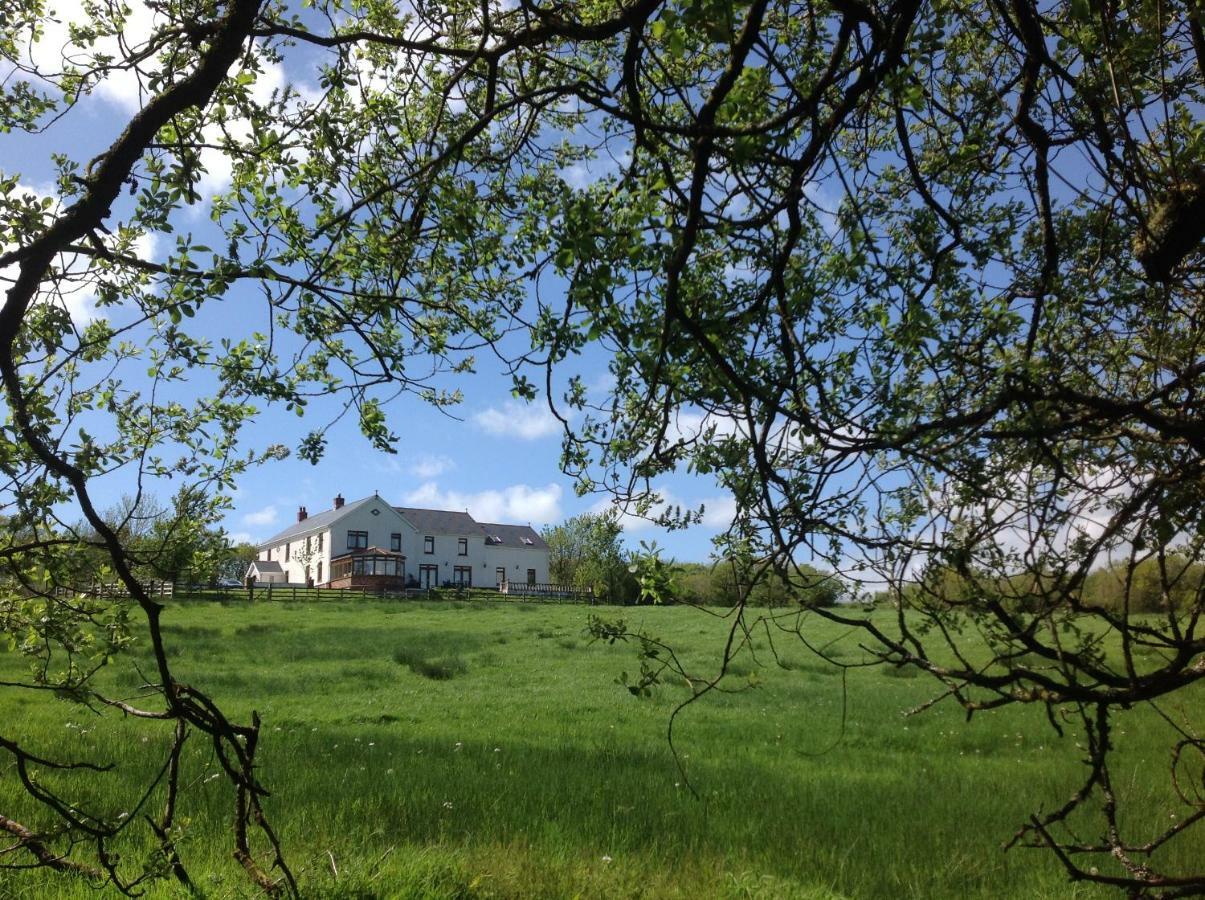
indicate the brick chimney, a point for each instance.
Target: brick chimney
{"x":338,"y":501}
{"x":301,"y":514}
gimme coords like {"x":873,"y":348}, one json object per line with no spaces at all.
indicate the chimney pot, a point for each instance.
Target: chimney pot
{"x":338,"y":501}
{"x":301,"y":514}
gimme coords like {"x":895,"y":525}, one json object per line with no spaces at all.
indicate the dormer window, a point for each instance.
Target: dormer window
{"x":529,"y":542}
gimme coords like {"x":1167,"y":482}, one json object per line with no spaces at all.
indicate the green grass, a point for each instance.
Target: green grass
{"x":487,"y":751}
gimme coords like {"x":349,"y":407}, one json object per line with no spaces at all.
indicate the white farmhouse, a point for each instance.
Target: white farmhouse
{"x":370,"y":544}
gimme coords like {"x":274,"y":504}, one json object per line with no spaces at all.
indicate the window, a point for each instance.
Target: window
{"x":462,"y":576}
{"x":288,"y":547}
{"x":500,"y":575}
{"x":429,"y":544}
{"x":386,"y":566}
{"x":357,"y":540}
{"x":319,"y":578}
{"x":320,"y":542}
{"x":529,"y":542}
{"x":462,"y":547}
{"x":307,"y":545}
{"x":428,"y":576}
{"x":395,"y":543}
{"x":531,"y":576}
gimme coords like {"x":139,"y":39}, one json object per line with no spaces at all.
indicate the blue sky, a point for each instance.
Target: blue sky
{"x":495,"y":457}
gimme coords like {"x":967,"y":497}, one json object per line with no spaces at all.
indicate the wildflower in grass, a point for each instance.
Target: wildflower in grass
{"x":606,"y":860}
{"x":457,"y":747}
{"x":447,"y":804}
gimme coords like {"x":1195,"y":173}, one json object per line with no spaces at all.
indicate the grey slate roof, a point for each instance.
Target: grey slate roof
{"x":513,"y":536}
{"x":314,"y":522}
{"x":426,"y":521}
{"x":265,"y":567}
{"x":440,"y":521}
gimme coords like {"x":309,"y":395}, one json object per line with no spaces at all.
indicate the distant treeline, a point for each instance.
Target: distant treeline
{"x":1175,"y":583}
{"x":720,"y":584}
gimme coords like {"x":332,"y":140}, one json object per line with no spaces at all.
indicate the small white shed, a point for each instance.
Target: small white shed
{"x":266,"y":572}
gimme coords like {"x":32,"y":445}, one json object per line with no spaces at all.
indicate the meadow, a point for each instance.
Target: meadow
{"x":419,"y":749}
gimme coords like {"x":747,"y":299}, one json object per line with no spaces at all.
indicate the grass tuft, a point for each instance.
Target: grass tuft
{"x":437,"y":668}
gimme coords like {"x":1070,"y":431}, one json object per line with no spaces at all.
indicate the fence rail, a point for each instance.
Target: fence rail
{"x":114,"y":590}
{"x":285,"y":593}
{"x":292,"y":593}
{"x":532,"y":589}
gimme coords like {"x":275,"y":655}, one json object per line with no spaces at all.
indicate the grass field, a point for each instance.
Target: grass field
{"x":455,"y":750}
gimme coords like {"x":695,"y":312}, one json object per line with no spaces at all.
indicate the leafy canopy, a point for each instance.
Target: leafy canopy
{"x":918,"y":282}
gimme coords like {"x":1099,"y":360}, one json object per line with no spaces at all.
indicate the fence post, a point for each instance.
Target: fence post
{"x":269,"y":592}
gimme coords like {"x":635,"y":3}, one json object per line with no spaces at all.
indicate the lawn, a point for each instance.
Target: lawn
{"x":474,"y":750}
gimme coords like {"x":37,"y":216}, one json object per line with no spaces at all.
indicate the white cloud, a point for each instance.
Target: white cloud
{"x":266,"y":516}
{"x":428,"y":466}
{"x":526,"y":421}
{"x":54,"y":52}
{"x":718,"y":511}
{"x":687,"y":425}
{"x":240,"y":537}
{"x":218,"y":165}
{"x":73,"y":288}
{"x":825,"y":202}
{"x":517,"y":504}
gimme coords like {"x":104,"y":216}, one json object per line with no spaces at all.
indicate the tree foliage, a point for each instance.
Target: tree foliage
{"x":586,"y":552}
{"x":728,"y":583}
{"x":918,"y":282}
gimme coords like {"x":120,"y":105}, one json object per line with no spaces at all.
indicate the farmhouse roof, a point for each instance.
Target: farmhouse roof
{"x":440,"y":521}
{"x":266,"y":567}
{"x":368,"y":551}
{"x":426,"y":521}
{"x":513,"y":536}
{"x":315,"y":522}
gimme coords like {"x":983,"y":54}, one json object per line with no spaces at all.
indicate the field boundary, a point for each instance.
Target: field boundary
{"x":280,"y":593}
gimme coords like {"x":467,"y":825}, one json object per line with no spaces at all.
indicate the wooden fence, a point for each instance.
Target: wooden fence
{"x":287,"y":593}
{"x":283,"y":593}
{"x":114,"y":590}
{"x":542,"y":591}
